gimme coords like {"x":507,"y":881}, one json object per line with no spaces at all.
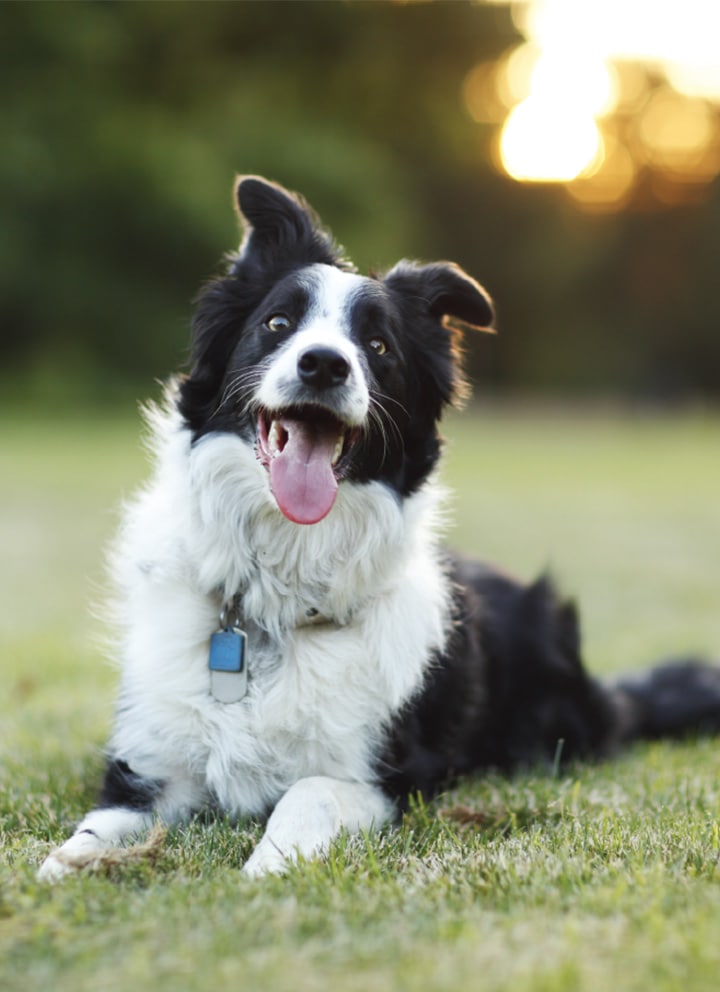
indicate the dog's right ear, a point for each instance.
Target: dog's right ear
{"x":281,"y":229}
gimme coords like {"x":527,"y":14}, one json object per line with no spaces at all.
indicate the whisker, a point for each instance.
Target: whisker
{"x":390,"y":399}
{"x":391,"y":420}
{"x":245,"y":381}
{"x":381,"y":418}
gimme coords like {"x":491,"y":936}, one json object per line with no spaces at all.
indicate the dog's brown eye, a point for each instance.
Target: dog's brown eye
{"x":278,"y":322}
{"x":378,"y":346}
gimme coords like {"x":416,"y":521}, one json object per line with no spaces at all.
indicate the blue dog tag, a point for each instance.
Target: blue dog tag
{"x":228,"y":668}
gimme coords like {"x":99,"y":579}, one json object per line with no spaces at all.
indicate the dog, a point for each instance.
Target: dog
{"x":296,"y":642}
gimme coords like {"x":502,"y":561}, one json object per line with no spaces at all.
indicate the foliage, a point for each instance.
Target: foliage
{"x":123,"y":126}
{"x":603,"y":877}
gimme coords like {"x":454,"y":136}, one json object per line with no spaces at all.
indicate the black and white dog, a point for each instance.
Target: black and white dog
{"x":294,"y":638}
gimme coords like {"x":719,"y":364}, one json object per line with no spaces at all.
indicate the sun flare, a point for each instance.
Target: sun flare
{"x":542,"y":142}
{"x":586,"y":65}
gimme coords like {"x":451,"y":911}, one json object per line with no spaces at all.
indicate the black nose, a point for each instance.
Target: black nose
{"x":321,"y":368}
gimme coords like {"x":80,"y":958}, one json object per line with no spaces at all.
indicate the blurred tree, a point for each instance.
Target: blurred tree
{"x":123,"y":125}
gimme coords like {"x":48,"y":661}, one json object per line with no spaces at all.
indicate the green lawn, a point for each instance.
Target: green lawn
{"x":604,"y":878}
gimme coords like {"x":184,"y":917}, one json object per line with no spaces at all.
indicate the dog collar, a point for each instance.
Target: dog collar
{"x":228,"y":661}
{"x":227,"y":658}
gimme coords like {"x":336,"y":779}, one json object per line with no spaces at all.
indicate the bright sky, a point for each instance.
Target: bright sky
{"x":578,"y":69}
{"x":682,"y":36}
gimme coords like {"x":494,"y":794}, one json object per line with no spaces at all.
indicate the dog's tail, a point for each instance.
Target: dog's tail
{"x":677,"y":698}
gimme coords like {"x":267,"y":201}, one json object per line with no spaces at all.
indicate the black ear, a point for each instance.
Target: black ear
{"x":442,"y":289}
{"x":280,"y":225}
{"x":271,"y":212}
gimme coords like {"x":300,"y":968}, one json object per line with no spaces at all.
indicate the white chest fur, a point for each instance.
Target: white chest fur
{"x":319,"y":697}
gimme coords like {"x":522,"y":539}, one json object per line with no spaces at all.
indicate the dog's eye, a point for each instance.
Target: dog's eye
{"x":278,"y":322}
{"x":378,"y":346}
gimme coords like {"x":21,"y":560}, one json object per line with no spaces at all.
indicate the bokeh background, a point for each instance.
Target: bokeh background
{"x":566,"y":152}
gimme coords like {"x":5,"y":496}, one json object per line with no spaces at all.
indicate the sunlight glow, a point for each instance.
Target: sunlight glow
{"x":568,"y":78}
{"x":651,"y":65}
{"x":543,"y":142}
{"x":608,"y":187}
{"x":552,"y":135}
{"x":679,"y":36}
{"x":678,"y":134}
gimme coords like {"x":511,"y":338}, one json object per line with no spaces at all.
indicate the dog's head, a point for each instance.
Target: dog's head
{"x":332,"y":375}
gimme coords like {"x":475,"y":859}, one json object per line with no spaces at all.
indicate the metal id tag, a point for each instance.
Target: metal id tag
{"x":228,"y":665}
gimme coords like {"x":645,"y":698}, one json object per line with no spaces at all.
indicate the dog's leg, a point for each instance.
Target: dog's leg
{"x":310,"y":814}
{"x":99,"y":830}
{"x":128,"y":805}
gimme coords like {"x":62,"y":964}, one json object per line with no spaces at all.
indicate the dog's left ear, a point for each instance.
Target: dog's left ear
{"x":442,"y":289}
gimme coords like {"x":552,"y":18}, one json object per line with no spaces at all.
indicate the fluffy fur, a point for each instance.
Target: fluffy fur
{"x":294,"y":485}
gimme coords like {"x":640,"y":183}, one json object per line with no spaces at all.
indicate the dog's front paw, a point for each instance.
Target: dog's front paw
{"x":53,"y":869}
{"x":266,"y":859}
{"x":76,"y":853}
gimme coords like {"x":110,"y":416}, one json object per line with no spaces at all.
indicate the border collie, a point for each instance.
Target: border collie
{"x":295,"y":641}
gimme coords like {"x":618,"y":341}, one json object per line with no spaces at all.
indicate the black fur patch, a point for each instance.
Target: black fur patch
{"x":510,"y":691}
{"x":122,"y":787}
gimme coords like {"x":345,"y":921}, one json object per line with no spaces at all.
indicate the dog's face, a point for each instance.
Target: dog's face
{"x":330,"y":374}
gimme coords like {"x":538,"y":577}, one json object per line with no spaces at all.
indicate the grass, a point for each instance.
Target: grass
{"x":603,"y":877}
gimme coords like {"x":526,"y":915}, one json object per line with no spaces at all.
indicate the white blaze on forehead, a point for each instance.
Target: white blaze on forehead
{"x":327,"y":323}
{"x":332,"y":294}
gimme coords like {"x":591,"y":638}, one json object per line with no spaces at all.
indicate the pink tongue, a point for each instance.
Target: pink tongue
{"x":301,"y":475}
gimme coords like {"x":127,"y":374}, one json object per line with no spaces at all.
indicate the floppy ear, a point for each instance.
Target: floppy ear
{"x":280,"y":227}
{"x":426,"y":296}
{"x":442,"y":289}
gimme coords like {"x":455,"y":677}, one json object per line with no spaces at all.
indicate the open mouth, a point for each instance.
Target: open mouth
{"x":306,"y":451}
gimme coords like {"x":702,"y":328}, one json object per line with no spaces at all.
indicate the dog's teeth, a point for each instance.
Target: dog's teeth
{"x":338,"y":448}
{"x":274,"y":438}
